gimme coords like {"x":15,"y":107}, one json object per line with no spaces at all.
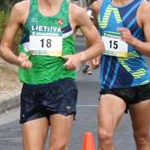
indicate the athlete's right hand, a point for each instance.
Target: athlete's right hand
{"x":24,"y":61}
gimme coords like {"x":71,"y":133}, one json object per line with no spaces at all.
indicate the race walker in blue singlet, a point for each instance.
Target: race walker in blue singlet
{"x":122,"y":65}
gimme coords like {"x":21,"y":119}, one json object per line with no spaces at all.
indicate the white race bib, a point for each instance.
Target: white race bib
{"x":46,"y":45}
{"x":115,"y":47}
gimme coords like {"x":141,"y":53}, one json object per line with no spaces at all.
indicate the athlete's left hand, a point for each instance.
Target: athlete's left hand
{"x":126,"y":35}
{"x":72,"y":61}
{"x":94,"y":63}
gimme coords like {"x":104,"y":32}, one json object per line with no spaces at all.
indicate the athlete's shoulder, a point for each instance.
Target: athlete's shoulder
{"x":76,"y":11}
{"x":21,"y":6}
{"x":144,"y":11}
{"x":145,"y":6}
{"x":20,"y":10}
{"x":96,"y":5}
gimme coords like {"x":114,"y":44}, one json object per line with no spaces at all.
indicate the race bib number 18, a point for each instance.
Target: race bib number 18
{"x":46,"y":45}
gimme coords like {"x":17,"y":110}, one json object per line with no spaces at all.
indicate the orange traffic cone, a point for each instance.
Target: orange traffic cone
{"x":88,"y":142}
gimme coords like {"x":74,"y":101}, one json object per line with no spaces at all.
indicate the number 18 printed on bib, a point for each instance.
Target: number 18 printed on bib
{"x":46,"y":45}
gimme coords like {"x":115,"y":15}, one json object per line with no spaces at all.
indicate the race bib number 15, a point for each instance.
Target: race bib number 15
{"x":46,"y":45}
{"x":115,"y":47}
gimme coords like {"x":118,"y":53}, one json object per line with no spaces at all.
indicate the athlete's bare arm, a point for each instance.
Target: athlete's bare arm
{"x":95,"y":10}
{"x":94,"y":63}
{"x":16,"y":20}
{"x":143,"y":19}
{"x":79,"y":19}
{"x":91,"y":34}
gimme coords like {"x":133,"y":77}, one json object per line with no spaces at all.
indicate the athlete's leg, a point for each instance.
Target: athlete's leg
{"x":60,"y":131}
{"x":111,"y":109}
{"x":140,"y":115}
{"x":34,"y":134}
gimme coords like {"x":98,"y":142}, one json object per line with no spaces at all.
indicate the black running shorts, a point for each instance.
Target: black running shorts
{"x":131,"y":95}
{"x":59,"y":97}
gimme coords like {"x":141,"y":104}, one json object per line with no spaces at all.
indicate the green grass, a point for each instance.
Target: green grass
{"x":3,"y":21}
{"x":4,"y":16}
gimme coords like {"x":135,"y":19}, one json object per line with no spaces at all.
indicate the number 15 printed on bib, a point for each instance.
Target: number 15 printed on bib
{"x":115,"y":47}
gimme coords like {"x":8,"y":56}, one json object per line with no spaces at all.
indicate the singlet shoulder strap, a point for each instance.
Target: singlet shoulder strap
{"x":33,"y":5}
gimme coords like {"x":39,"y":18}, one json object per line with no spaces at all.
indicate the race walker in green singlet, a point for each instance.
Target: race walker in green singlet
{"x":45,"y":39}
{"x":47,"y":61}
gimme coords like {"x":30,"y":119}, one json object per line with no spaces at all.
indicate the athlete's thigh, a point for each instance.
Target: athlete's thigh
{"x":61,"y":126}
{"x":140,"y":116}
{"x":34,"y":133}
{"x":110,"y":110}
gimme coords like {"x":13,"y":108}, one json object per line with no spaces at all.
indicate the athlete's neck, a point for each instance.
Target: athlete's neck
{"x":49,"y":7}
{"x":120,"y":3}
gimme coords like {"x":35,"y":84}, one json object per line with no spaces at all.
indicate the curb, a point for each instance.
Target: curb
{"x":12,"y":99}
{"x":9,"y":101}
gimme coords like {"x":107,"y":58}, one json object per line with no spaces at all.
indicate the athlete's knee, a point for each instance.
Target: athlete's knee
{"x":141,"y":138}
{"x":33,"y":147}
{"x":105,"y":136}
{"x":58,"y":146}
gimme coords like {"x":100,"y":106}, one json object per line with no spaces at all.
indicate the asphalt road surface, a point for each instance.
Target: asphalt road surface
{"x":10,"y":129}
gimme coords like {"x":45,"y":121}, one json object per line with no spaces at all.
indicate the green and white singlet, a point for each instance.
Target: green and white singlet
{"x":45,"y":39}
